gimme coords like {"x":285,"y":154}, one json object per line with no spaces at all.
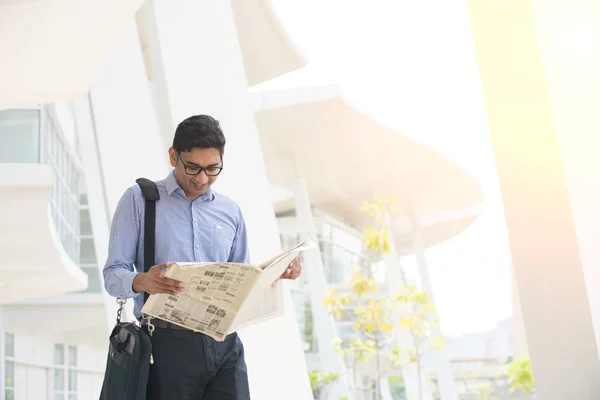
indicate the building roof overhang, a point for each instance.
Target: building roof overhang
{"x":346,"y":158}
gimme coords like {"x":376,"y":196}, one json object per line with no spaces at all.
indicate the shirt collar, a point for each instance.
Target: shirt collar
{"x":172,"y":186}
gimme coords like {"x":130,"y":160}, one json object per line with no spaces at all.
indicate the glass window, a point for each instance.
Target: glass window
{"x":72,"y":356}
{"x":88,"y":251}
{"x":64,"y":201}
{"x":85,"y":223}
{"x":65,"y":373}
{"x":9,"y":345}
{"x":72,"y":388}
{"x":20,"y":136}
{"x":59,"y":380}
{"x":59,"y":354}
{"x":92,"y":272}
{"x":72,"y":381}
{"x":9,"y":380}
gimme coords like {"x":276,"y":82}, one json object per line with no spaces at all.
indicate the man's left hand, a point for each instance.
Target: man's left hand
{"x":294,"y":269}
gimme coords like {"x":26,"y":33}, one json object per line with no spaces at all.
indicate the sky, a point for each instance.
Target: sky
{"x":410,"y":65}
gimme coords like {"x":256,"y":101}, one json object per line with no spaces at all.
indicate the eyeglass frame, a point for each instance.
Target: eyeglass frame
{"x":200,"y":169}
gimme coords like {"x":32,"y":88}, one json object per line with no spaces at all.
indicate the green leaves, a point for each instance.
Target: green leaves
{"x":520,"y":375}
{"x":375,"y":237}
{"x":320,"y":380}
{"x":378,"y":316}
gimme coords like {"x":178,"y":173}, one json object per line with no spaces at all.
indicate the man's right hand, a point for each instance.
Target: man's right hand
{"x":154,"y":282}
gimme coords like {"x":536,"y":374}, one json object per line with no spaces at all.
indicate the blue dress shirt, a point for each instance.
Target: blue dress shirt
{"x":208,"y":229}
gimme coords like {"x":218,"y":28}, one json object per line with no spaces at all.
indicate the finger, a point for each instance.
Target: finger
{"x":159,"y":269}
{"x":166,"y":289}
{"x":285,"y":275}
{"x":288,"y":272}
{"x":172,"y":283}
{"x":296,"y":269}
{"x":164,"y":267}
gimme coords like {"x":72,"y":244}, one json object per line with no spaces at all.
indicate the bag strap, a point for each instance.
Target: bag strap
{"x":150,"y":193}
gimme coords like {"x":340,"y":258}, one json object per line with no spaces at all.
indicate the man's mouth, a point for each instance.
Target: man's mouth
{"x":198,"y":187}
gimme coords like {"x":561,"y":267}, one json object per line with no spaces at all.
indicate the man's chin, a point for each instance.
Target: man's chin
{"x":200,"y":190}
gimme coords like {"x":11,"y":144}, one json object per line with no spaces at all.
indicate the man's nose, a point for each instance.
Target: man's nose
{"x":202,"y":178}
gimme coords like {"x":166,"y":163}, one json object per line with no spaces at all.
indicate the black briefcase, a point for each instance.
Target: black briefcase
{"x":130,"y":349}
{"x":127,"y":364}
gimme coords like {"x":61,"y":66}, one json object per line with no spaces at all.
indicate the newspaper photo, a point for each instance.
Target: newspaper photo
{"x":221,"y":298}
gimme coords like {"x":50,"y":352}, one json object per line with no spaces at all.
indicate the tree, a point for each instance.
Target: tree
{"x":417,"y":316}
{"x":377,"y":314}
{"x":319,"y":381}
{"x":308,"y":326}
{"x":520,"y":376}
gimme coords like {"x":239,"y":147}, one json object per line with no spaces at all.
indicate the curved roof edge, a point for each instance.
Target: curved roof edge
{"x":43,"y":61}
{"x":267,"y":49}
{"x":438,"y":189}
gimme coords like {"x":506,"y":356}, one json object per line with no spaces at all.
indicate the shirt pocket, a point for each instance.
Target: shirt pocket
{"x":222,"y":241}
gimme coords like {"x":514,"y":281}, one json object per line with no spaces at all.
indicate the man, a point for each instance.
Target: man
{"x":193,"y":223}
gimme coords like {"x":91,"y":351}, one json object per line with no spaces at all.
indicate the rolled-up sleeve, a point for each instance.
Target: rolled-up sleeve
{"x":119,"y":270}
{"x":239,"y":249}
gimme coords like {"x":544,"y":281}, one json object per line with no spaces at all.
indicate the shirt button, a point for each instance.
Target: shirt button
{"x":197,"y":246}
{"x":195,"y":224}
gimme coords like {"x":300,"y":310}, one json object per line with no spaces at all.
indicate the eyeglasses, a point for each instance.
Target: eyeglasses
{"x":195,"y":170}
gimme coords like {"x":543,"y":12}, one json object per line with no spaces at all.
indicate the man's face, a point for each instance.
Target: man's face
{"x":195,"y":170}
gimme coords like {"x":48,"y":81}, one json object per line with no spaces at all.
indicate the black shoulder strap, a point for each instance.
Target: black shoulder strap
{"x":150,"y":193}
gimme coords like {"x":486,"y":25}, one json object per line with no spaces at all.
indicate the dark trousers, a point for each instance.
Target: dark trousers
{"x":193,"y":366}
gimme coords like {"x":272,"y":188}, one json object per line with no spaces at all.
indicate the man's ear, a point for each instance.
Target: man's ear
{"x":172,"y":157}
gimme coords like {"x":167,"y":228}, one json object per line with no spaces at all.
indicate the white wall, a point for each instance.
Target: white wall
{"x":127,"y":132}
{"x":34,"y":373}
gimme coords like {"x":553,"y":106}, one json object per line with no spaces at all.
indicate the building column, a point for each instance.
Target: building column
{"x":440,"y":360}
{"x":519,"y":338}
{"x":2,"y":357}
{"x":539,"y":215}
{"x":324,"y":324}
{"x":204,"y":74}
{"x":395,"y":279}
{"x":119,"y":141}
{"x":100,"y":218}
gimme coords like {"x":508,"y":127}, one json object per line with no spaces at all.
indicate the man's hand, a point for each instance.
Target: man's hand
{"x":154,"y":282}
{"x":294,"y":270}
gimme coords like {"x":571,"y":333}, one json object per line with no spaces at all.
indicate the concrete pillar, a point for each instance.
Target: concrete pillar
{"x":519,"y":338}
{"x":570,"y":44}
{"x":539,"y":216}
{"x":204,"y":74}
{"x":100,"y":217}
{"x":440,"y":360}
{"x":119,"y":141}
{"x":324,"y":324}
{"x":2,"y":357}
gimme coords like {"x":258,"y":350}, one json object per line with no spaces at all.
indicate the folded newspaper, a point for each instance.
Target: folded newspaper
{"x":221,"y":298}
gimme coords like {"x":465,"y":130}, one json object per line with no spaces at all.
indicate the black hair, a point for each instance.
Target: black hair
{"x":199,"y":131}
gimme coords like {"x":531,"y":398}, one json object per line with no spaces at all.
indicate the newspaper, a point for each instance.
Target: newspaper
{"x":221,"y":298}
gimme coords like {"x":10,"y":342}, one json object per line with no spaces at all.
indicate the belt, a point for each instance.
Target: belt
{"x":159,"y":323}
